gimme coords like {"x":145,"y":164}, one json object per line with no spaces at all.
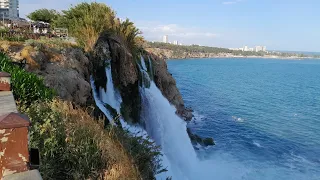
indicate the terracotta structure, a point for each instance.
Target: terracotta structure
{"x":14,"y":154}
{"x":4,"y":81}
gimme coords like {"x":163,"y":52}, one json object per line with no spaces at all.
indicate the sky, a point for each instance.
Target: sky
{"x":278,"y":24}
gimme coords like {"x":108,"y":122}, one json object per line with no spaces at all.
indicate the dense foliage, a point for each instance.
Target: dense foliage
{"x":86,"y":21}
{"x":27,"y":86}
{"x":45,"y":15}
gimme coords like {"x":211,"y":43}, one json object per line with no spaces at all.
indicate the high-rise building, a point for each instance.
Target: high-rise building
{"x":245,"y":48}
{"x":175,"y":42}
{"x":264,"y":48}
{"x":9,"y":9}
{"x":165,"y":39}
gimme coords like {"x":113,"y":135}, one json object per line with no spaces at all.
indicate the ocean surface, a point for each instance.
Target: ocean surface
{"x":264,"y":115}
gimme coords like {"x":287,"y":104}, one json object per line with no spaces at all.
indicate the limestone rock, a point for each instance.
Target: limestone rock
{"x":68,"y":83}
{"x":167,"y":84}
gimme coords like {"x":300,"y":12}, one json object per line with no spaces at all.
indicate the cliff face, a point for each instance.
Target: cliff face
{"x":126,"y":76}
{"x":167,"y":84}
{"x":64,"y":70}
{"x":124,"y":72}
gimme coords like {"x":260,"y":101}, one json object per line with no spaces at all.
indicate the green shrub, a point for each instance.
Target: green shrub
{"x":67,"y":150}
{"x":73,"y":146}
{"x":27,"y":87}
{"x":47,"y":134}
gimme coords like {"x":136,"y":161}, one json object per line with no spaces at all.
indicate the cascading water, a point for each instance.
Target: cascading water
{"x":168,"y":131}
{"x":112,"y":96}
{"x":151,"y":69}
{"x":161,"y":123}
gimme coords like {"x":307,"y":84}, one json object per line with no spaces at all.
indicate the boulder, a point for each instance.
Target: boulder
{"x":68,"y":83}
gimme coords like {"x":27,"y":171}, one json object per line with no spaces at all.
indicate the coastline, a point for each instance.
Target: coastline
{"x":182,"y":54}
{"x":252,"y":57}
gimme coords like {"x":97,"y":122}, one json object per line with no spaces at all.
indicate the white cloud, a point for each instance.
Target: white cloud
{"x":231,"y":2}
{"x":154,"y":31}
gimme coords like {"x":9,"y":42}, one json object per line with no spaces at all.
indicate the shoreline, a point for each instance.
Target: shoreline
{"x":252,"y":57}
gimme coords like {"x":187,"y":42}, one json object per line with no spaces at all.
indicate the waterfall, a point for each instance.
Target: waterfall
{"x":161,"y":124}
{"x":168,"y":131}
{"x":112,"y":97}
{"x":151,"y":69}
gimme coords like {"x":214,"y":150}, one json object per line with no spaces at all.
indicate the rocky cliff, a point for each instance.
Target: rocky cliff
{"x":167,"y":84}
{"x":126,"y":75}
{"x":65,"y":70}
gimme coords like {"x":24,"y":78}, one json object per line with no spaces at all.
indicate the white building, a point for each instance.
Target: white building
{"x":264,"y":48}
{"x":258,"y":48}
{"x":9,"y":9}
{"x":245,"y":48}
{"x":175,"y":42}
{"x":165,"y":39}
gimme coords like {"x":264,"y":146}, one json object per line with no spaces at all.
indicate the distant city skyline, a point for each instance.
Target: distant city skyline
{"x":280,"y":25}
{"x":252,"y":49}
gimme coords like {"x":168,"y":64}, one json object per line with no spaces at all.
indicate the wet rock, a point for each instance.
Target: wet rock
{"x":196,"y":139}
{"x":208,"y":142}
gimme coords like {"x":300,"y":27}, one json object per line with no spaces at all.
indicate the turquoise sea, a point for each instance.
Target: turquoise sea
{"x":264,"y":115}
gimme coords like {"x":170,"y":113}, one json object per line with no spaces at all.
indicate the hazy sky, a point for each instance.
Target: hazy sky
{"x":277,"y":24}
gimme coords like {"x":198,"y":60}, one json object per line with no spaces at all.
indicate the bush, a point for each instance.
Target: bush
{"x":56,"y":43}
{"x":67,"y":150}
{"x":74,"y":146}
{"x":27,"y":87}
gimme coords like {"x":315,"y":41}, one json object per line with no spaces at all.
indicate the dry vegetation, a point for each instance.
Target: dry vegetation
{"x":73,"y":145}
{"x":119,"y":163}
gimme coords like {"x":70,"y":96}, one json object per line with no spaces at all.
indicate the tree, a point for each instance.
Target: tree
{"x":128,"y":32}
{"x":86,"y":21}
{"x":45,"y":15}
